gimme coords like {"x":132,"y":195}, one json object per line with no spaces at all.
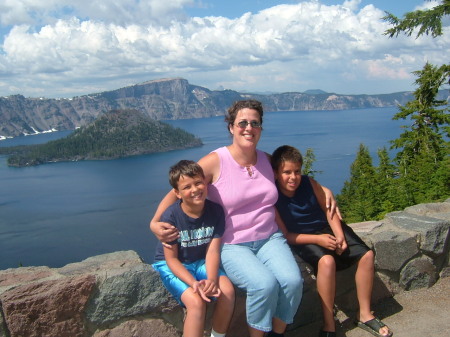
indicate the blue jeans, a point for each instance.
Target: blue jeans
{"x":268,"y":272}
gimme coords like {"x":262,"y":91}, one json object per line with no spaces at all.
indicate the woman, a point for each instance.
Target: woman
{"x":255,"y":255}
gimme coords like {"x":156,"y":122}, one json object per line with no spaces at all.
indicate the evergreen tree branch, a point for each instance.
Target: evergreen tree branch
{"x":428,"y":21}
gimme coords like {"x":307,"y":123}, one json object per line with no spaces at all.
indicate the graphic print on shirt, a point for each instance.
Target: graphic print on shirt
{"x":196,"y":237}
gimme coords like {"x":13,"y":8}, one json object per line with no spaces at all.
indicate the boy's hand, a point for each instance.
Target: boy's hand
{"x":327,"y":241}
{"x":341,"y":245}
{"x":210,"y":288}
{"x":198,"y":288}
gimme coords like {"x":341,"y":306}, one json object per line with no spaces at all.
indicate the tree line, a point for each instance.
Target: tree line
{"x":420,"y":171}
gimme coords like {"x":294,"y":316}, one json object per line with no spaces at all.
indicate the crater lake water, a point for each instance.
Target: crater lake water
{"x":60,"y":213}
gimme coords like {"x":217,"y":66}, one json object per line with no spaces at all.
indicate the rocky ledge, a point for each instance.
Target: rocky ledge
{"x":118,"y":294}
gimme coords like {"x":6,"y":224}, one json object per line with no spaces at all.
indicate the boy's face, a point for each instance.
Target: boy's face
{"x":288,"y":176}
{"x":192,"y":190}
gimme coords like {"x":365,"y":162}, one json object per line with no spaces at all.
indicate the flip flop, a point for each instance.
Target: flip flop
{"x":373,"y":326}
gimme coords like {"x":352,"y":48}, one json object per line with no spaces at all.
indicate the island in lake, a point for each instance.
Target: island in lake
{"x":115,"y":134}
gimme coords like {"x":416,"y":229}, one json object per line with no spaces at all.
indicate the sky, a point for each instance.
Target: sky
{"x":66,"y":48}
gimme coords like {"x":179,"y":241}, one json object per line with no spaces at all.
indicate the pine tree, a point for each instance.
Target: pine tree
{"x":423,"y":159}
{"x":388,"y":191}
{"x":358,"y":199}
{"x":308,"y":160}
{"x":428,"y":21}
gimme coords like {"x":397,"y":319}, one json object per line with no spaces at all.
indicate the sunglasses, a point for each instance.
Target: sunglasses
{"x":253,"y":124}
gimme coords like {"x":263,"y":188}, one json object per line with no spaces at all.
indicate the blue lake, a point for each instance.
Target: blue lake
{"x":60,"y":213}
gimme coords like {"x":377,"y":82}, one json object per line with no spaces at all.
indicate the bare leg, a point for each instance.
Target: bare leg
{"x":255,"y":333}
{"x":278,"y":325}
{"x":194,"y":322}
{"x":364,"y":285}
{"x":224,"y":307}
{"x":326,"y":287}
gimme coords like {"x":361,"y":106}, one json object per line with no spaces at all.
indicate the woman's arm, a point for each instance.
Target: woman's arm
{"x":211,"y":167}
{"x":330,"y":201}
{"x":163,"y":231}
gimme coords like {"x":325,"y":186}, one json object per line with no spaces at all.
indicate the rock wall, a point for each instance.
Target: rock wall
{"x":118,"y":295}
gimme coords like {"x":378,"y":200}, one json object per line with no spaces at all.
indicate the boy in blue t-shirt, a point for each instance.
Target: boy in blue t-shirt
{"x":189,"y":267}
{"x":322,"y":240}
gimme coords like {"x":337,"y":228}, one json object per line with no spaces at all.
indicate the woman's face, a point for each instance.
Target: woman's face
{"x":248,"y":135}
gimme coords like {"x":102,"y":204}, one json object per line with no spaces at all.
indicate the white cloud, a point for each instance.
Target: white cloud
{"x":428,"y":4}
{"x":98,"y":45}
{"x":389,"y":67}
{"x":119,"y":12}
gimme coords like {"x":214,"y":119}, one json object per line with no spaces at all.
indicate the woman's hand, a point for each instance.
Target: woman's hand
{"x":165,"y":232}
{"x":331,"y":203}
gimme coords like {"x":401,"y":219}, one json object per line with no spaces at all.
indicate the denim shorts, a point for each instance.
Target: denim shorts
{"x":173,"y":284}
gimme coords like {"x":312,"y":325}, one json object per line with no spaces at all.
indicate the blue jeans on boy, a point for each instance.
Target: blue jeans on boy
{"x":268,"y":272}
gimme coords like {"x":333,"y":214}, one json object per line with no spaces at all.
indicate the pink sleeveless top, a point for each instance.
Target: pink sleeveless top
{"x":248,"y":201}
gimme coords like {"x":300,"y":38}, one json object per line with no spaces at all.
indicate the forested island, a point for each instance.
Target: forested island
{"x":115,"y":134}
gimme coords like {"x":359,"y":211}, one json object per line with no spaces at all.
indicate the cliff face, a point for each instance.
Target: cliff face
{"x":299,"y":101}
{"x":163,"y":99}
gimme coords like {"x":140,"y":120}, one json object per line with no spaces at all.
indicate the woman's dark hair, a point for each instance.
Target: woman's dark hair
{"x":186,"y":168}
{"x":285,"y":153}
{"x":230,"y":117}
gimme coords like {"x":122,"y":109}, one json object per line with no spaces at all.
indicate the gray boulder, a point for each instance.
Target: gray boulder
{"x":432,"y":232}
{"x":418,"y":273}
{"x":393,"y":248}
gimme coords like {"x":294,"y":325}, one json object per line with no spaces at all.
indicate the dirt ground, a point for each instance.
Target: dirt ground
{"x":422,"y":312}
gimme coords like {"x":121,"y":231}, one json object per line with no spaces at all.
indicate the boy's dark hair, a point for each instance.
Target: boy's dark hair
{"x":285,"y":153}
{"x":230,"y":117}
{"x":186,"y":168}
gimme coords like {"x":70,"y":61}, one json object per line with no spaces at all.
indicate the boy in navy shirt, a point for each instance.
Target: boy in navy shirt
{"x":189,"y":267}
{"x":322,"y":241}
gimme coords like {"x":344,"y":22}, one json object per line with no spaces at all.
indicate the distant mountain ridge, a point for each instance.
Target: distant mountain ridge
{"x":164,"y":99}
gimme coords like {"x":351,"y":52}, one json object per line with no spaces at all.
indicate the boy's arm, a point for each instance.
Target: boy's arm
{"x":335,"y":222}
{"x":180,"y":271}
{"x":295,"y":238}
{"x":212,"y":261}
{"x":164,"y":231}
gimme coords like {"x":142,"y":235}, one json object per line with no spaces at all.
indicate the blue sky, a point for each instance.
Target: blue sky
{"x":66,"y":48}
{"x":235,"y":8}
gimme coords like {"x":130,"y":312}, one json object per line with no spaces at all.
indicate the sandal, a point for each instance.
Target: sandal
{"x":327,"y":333}
{"x":373,"y":326}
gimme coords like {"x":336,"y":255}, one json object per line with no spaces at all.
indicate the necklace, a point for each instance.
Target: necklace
{"x":249,"y":170}
{"x":241,"y":160}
